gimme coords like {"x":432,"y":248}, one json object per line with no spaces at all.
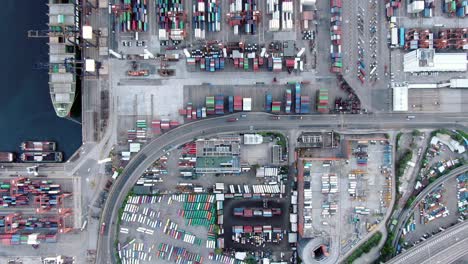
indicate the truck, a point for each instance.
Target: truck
{"x":103,"y":228}
{"x":232,"y":119}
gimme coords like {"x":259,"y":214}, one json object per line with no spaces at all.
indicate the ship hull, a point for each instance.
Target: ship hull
{"x":41,"y":157}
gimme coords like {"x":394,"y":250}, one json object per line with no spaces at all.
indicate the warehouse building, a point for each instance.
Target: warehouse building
{"x":400,"y":98}
{"x":219,"y":155}
{"x":253,"y":139}
{"x":427,"y":60}
{"x":276,"y":154}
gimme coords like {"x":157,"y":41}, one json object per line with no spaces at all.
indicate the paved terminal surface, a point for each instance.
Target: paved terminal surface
{"x":254,"y":121}
{"x":446,"y":247}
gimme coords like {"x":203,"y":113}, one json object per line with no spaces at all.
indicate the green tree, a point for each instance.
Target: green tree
{"x":416,"y":133}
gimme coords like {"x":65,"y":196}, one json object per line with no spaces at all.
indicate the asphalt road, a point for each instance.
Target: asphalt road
{"x":406,"y":214}
{"x":445,"y":247}
{"x":254,"y":121}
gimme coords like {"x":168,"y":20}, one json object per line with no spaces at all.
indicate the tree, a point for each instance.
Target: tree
{"x":416,"y":133}
{"x":250,"y":260}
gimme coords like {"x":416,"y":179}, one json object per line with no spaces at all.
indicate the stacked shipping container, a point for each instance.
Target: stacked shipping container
{"x":322,"y":100}
{"x":171,"y":19}
{"x":297,"y":98}
{"x":135,"y":18}
{"x":288,"y":102}
{"x":335,"y":33}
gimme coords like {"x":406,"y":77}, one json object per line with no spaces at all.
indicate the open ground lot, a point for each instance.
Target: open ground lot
{"x":346,"y":225}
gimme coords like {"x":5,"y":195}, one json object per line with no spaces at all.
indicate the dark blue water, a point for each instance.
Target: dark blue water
{"x":26,"y":111}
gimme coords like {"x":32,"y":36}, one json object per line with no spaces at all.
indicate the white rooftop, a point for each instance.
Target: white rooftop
{"x":253,"y":139}
{"x":400,"y":98}
{"x":87,"y":32}
{"x":427,"y":60}
{"x":90,"y":65}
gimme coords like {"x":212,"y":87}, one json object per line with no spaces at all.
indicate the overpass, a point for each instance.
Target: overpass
{"x":406,"y":214}
{"x":253,"y":122}
{"x":445,"y":247}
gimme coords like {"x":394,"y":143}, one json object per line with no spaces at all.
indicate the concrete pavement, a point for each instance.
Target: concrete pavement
{"x":254,"y":121}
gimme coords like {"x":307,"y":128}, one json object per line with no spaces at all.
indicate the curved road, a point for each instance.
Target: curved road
{"x":254,"y":121}
{"x":406,"y":214}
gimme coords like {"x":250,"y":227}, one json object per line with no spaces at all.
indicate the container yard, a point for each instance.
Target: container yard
{"x":279,"y":99}
{"x":438,"y":210}
{"x":132,"y":15}
{"x":185,"y":225}
{"x":432,"y":26}
{"x":42,"y":211}
{"x":198,"y":222}
{"x":250,"y":223}
{"x":248,"y":57}
{"x":244,"y":16}
{"x":171,"y":20}
{"x":353,"y":193}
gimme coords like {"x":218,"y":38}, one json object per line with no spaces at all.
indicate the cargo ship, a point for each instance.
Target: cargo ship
{"x":63,"y":33}
{"x":7,"y":157}
{"x":41,"y":157}
{"x":38,"y":146}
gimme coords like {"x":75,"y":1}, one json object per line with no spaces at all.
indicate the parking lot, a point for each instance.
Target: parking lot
{"x":425,"y":228}
{"x":366,"y":53}
{"x":147,"y":222}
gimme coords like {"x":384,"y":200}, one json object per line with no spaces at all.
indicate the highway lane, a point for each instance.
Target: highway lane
{"x":449,"y":245}
{"x":450,"y":254}
{"x":406,"y":214}
{"x":254,"y":121}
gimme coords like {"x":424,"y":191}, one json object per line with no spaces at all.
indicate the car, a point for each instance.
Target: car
{"x":243,"y":115}
{"x":275,"y":117}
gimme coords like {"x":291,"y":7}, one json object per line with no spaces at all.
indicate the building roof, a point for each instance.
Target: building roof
{"x":218,"y":162}
{"x":427,"y":60}
{"x":459,"y":83}
{"x":267,"y":172}
{"x":453,"y":145}
{"x":87,"y":32}
{"x":253,"y":139}
{"x":140,"y":189}
{"x":400,"y":98}
{"x":289,"y":49}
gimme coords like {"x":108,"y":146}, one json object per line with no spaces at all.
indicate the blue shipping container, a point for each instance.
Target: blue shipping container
{"x":402,"y":36}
